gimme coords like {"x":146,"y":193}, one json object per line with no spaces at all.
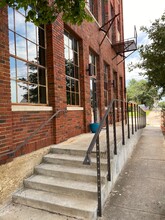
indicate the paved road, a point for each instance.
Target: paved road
{"x":140,"y":190}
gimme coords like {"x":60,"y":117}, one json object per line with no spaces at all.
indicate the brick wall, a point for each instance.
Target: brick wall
{"x":5,"y":103}
{"x":16,"y":126}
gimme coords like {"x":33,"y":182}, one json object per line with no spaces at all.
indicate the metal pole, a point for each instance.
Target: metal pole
{"x":122,"y":121}
{"x":114,"y":129}
{"x":98,"y":176}
{"x":135,"y":117}
{"x":128,"y":120}
{"x":108,"y":150}
{"x":132,"y":118}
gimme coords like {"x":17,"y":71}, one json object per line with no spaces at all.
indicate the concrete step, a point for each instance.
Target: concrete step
{"x":75,"y":151}
{"x":68,"y":172}
{"x":58,"y":203}
{"x":64,"y":186}
{"x":71,"y":160}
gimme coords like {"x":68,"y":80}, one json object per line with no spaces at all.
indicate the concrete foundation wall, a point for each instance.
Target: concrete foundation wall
{"x":13,"y":173}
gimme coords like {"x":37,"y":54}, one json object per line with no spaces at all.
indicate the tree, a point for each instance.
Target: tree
{"x":152,"y":55}
{"x":141,"y":92}
{"x":45,"y":11}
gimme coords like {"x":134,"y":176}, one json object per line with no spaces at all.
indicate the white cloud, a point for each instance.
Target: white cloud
{"x":139,"y":13}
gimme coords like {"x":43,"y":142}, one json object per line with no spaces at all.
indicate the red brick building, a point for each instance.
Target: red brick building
{"x":48,"y":68}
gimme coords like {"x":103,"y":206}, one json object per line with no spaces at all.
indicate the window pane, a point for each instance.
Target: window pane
{"x":11,"y":19}
{"x":12,"y":68}
{"x":22,"y":92}
{"x":33,"y":93}
{"x":66,"y":52}
{"x":41,"y":54}
{"x":13,"y":91}
{"x":75,"y":45}
{"x":42,"y":95}
{"x":42,"y":76}
{"x":68,"y":86}
{"x":11,"y":42}
{"x":31,"y":32}
{"x":76,"y":58}
{"x":41,"y":37}
{"x":20,"y":24}
{"x":66,"y":42}
{"x":68,"y":98}
{"x":21,"y":70}
{"x":32,"y":74}
{"x":73,"y":99}
{"x":72,"y":85}
{"x":77,"y":99}
{"x":21,"y":47}
{"x":32,"y":53}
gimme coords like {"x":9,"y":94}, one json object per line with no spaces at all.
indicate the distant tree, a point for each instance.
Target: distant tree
{"x":162,"y":105}
{"x":45,"y":11}
{"x":141,"y":92}
{"x":153,"y":55}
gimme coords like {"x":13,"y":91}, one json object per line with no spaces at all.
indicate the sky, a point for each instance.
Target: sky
{"x":139,"y":13}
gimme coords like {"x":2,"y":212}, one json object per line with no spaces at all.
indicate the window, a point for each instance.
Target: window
{"x":92,"y":5}
{"x":71,"y":51}
{"x":106,"y":84}
{"x":92,"y":61}
{"x":27,"y":60}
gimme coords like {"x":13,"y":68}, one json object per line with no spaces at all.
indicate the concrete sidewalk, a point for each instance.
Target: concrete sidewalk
{"x":140,"y":190}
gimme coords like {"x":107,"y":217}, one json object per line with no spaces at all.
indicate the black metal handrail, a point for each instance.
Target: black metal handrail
{"x":138,"y":120}
{"x":12,"y":153}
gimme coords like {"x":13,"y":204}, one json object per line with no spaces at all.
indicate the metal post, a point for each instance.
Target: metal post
{"x":135,"y":117}
{"x":132,"y":118}
{"x":114,"y":129}
{"x":108,"y":150}
{"x":98,"y":176}
{"x":122,"y":121}
{"x":128,"y":120}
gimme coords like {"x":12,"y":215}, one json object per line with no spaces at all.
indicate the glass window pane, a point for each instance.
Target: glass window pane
{"x":68,"y":98}
{"x":68,"y":86}
{"x":42,"y":76}
{"x":76,"y":58}
{"x":11,"y":43}
{"x":13,"y":91}
{"x":73,"y":99}
{"x":75,"y":45}
{"x":66,"y":42}
{"x":20,"y":24}
{"x":72,"y":85}
{"x":76,"y":72}
{"x":12,"y":68}
{"x":76,"y":86}
{"x":77,"y":99}
{"x":11,"y":19}
{"x":41,"y":37}
{"x":21,"y":70}
{"x":42,"y":95}
{"x":66,"y":52}
{"x":22,"y":11}
{"x":41,"y":56}
{"x":21,"y":47}
{"x":31,"y":32}
{"x":22,"y":92}
{"x":32,"y":53}
{"x":33,"y":93}
{"x":32,"y":74}
{"x":70,"y":42}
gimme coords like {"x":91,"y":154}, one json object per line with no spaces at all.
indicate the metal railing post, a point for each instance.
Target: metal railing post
{"x":114,"y":128}
{"x":122,"y":121}
{"x":132,"y":118}
{"x":128,"y":125}
{"x":135,"y":117}
{"x":108,"y":150}
{"x":98,"y":176}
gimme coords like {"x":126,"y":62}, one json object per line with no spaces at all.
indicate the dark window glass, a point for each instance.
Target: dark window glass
{"x":71,"y":69}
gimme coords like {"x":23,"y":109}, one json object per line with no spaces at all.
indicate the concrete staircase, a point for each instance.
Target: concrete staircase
{"x":62,"y":184}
